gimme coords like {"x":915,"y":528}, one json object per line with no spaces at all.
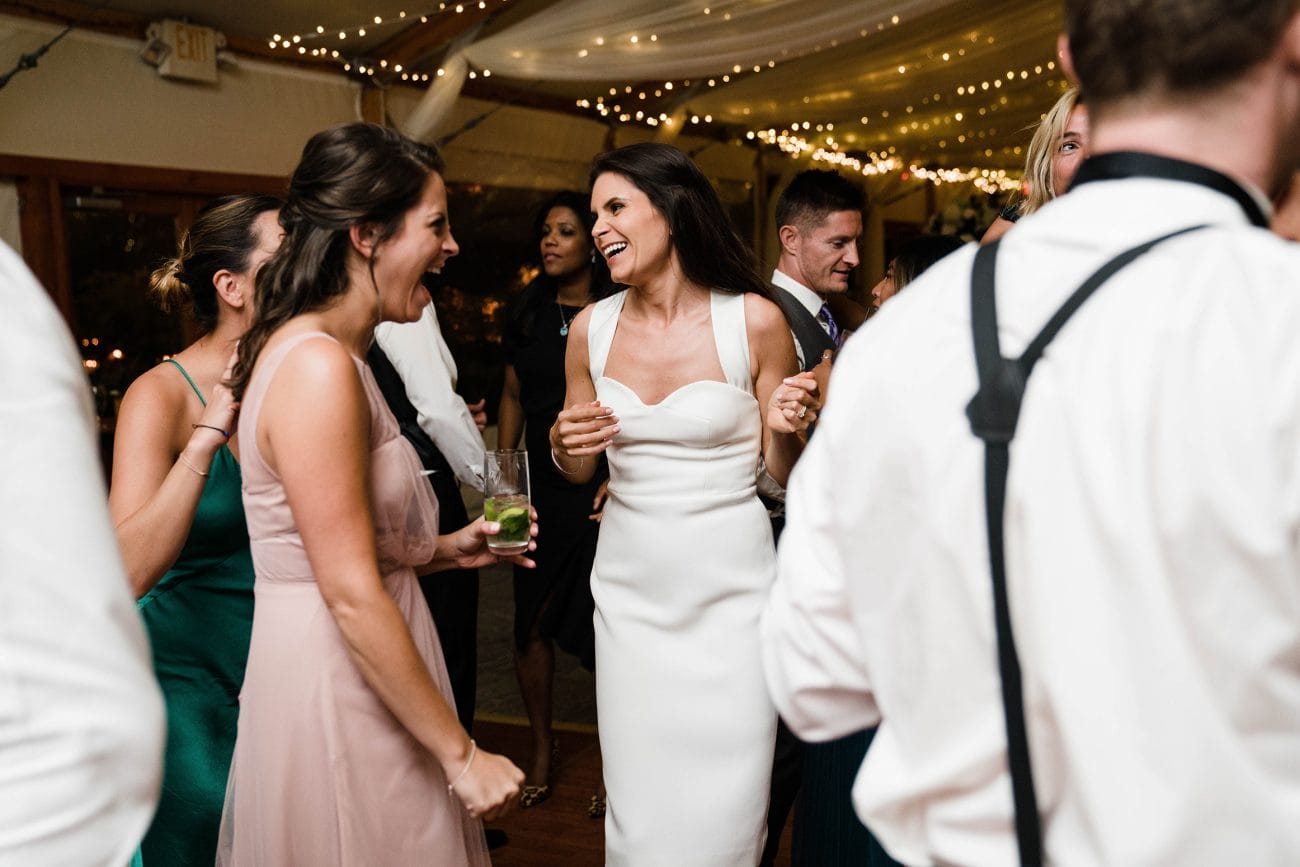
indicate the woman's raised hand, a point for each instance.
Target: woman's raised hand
{"x":794,"y":404}
{"x":586,"y":429}
{"x":217,"y":423}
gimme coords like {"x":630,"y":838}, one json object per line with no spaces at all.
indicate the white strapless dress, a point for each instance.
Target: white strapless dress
{"x":683,"y":566}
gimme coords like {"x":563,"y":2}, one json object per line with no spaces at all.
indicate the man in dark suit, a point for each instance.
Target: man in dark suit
{"x":819,"y":224}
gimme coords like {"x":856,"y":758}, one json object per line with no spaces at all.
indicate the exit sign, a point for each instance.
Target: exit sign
{"x":192,"y":53}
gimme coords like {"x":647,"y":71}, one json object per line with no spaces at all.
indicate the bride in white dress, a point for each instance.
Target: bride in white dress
{"x":686,"y":379}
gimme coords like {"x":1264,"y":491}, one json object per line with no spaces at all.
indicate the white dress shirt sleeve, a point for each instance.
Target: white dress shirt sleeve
{"x":421,"y":357}
{"x":81,"y":718}
{"x":812,"y":656}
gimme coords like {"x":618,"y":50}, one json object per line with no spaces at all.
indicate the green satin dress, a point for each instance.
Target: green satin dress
{"x":199,"y":618}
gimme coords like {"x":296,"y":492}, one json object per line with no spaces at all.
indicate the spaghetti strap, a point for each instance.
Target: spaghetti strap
{"x":186,"y":374}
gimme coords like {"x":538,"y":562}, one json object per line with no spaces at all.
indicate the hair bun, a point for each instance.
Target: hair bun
{"x":169,"y":285}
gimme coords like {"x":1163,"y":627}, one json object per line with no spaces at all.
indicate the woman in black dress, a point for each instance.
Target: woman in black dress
{"x":552,"y":602}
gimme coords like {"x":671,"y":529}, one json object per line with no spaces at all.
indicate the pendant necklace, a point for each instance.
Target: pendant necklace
{"x":564,"y":323}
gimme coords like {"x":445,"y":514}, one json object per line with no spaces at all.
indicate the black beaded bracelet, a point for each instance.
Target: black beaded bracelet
{"x":224,"y":433}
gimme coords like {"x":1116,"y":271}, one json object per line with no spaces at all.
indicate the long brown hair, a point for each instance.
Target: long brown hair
{"x":711,"y":252}
{"x":355,"y":173}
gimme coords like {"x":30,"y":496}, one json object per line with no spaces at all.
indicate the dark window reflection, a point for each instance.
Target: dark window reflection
{"x":493,"y":226}
{"x":119,"y":327}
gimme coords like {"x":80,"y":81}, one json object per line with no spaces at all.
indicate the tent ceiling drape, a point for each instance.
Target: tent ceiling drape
{"x":943,"y":83}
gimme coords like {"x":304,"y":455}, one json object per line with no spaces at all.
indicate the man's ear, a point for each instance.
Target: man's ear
{"x":364,"y":238}
{"x":789,"y":237}
{"x":1067,"y":59}
{"x":229,"y":288}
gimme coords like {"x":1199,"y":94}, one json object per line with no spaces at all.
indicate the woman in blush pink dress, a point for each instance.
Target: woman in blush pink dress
{"x":349,"y":751}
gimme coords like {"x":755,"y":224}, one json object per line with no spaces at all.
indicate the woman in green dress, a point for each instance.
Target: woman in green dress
{"x":176,"y":503}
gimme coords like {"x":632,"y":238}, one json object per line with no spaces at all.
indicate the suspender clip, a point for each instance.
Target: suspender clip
{"x":995,"y":408}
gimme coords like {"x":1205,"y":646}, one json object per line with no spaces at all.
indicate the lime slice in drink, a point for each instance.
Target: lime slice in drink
{"x":514,"y":521}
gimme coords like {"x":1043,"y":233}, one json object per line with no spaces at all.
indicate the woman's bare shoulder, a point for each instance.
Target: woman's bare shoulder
{"x":160,"y":389}
{"x":317,"y":361}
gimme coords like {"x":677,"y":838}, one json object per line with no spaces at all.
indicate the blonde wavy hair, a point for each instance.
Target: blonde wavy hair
{"x":1038,"y":161}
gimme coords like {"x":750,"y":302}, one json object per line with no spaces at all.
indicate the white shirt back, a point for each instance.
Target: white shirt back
{"x":81,"y":719}
{"x":1152,"y":523}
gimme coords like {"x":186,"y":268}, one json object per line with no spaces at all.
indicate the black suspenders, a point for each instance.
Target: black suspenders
{"x":993,"y":414}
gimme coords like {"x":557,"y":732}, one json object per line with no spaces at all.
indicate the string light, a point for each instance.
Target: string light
{"x":367,"y":66}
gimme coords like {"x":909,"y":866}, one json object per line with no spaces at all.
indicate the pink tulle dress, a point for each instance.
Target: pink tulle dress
{"x":323,"y":773}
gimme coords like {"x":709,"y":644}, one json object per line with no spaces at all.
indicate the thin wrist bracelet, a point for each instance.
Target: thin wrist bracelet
{"x":473,"y":749}
{"x":224,"y":433}
{"x":555,"y":460}
{"x":181,"y":458}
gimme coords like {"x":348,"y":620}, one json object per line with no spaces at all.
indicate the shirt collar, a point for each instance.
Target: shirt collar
{"x":1118,"y":165}
{"x":805,"y":296}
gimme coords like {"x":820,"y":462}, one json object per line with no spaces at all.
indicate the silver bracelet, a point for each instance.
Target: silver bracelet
{"x":555,"y":460}
{"x":181,"y":458}
{"x":473,"y":749}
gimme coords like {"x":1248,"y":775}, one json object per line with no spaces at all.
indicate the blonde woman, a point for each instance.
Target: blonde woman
{"x":1058,"y":148}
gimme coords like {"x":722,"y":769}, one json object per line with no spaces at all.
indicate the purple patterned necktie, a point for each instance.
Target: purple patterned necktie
{"x":829,"y":321}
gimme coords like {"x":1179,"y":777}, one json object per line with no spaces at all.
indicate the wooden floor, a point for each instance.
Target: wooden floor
{"x":557,"y":832}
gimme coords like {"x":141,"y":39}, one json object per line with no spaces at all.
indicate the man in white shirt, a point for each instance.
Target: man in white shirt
{"x":81,"y":718}
{"x":425,"y":363}
{"x":1152,"y":507}
{"x":819,"y":224}
{"x":417,"y":374}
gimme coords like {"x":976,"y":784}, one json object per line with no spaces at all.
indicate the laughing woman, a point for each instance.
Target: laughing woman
{"x":349,"y":750}
{"x":686,"y":382}
{"x":552,"y":604}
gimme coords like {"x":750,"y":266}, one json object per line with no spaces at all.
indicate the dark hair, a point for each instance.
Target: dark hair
{"x":814,"y":195}
{"x":222,"y":238}
{"x":1124,"y":48}
{"x":711,"y":253}
{"x":541,"y":292}
{"x":349,"y":174}
{"x":917,"y":254}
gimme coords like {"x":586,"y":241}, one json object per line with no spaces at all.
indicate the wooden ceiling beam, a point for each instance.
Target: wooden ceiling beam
{"x":418,"y":41}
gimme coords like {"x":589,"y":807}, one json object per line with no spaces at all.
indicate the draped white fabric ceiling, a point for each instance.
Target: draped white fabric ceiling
{"x":942,"y":82}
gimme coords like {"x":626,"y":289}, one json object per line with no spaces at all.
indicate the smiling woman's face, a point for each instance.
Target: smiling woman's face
{"x":565,"y":246}
{"x":629,"y":232}
{"x":422,"y":245}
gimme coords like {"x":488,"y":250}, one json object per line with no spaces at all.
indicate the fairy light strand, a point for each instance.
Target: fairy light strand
{"x":350,"y":61}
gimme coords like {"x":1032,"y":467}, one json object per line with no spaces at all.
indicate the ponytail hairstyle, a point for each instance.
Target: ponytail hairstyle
{"x":711,"y":252}
{"x":222,"y":238}
{"x":349,"y":174}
